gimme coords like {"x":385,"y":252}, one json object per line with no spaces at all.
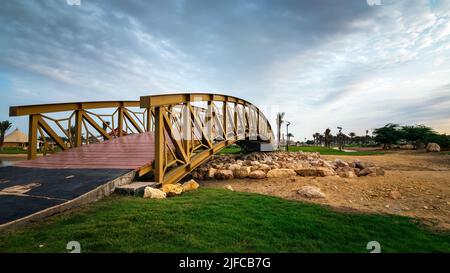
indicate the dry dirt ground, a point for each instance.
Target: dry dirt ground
{"x":422,"y":179}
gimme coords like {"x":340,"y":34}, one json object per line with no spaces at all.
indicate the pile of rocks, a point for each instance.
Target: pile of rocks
{"x":168,"y":190}
{"x":281,"y":164}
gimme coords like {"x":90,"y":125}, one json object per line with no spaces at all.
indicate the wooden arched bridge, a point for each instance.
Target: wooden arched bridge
{"x":166,"y":136}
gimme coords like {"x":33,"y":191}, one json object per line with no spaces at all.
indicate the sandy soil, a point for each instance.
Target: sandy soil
{"x":423,"y":181}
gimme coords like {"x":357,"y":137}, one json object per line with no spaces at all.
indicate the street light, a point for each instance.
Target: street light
{"x":287,"y":135}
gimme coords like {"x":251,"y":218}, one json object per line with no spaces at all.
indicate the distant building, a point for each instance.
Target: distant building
{"x":16,"y":139}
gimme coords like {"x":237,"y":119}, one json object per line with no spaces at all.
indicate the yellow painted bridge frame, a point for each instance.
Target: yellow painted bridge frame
{"x":186,"y":136}
{"x":188,"y":128}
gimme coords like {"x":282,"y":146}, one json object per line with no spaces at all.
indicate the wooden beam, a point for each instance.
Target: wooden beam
{"x":120,"y":121}
{"x":198,"y":125}
{"x":52,"y":134}
{"x":70,"y":106}
{"x":78,"y":123}
{"x":225,"y":119}
{"x":176,"y":142}
{"x":149,"y":120}
{"x":32,"y":136}
{"x":96,"y":126}
{"x":159,"y":145}
{"x":132,"y":121}
{"x":187,"y":129}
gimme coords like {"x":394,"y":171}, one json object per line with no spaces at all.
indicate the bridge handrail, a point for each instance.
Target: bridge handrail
{"x":176,"y":156}
{"x":24,"y":110}
{"x":169,"y":99}
{"x":40,"y":123}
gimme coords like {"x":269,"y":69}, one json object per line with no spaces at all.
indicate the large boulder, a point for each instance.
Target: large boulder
{"x":346,"y":172}
{"x":362,"y":164}
{"x":298,"y":165}
{"x":211,"y":173}
{"x":258,"y":174}
{"x":278,"y":173}
{"x":316,"y":171}
{"x":433,"y":147}
{"x":311,"y":192}
{"x":371,"y":171}
{"x":242,"y":172}
{"x":198,"y":174}
{"x":153,"y":193}
{"x":224,"y":175}
{"x":264,"y":167}
{"x":340,"y":163}
{"x":234,"y":167}
{"x":328,"y":164}
{"x":190,"y":185}
{"x":172,"y":189}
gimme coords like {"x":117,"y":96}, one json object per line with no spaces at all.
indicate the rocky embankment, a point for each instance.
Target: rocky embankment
{"x":281,"y":164}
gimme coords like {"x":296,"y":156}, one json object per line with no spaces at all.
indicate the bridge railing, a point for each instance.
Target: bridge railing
{"x":191,"y":127}
{"x":67,"y":125}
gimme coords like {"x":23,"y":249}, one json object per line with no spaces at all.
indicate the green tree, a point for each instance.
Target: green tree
{"x":4,"y":126}
{"x":417,"y":134}
{"x":352,"y":135}
{"x":442,"y":140}
{"x":387,"y":135}
{"x":279,"y":121}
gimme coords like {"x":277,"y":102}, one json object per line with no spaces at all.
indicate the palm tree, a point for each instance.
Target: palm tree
{"x":352,"y":135}
{"x":316,"y":138}
{"x":327,"y":137}
{"x":4,"y":126}
{"x":279,"y":121}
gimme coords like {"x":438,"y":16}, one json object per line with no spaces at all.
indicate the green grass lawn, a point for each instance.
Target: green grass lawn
{"x":330,"y":151}
{"x":11,"y":150}
{"x":216,"y":220}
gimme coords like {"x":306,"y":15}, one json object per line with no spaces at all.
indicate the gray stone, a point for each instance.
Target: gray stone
{"x":135,"y":188}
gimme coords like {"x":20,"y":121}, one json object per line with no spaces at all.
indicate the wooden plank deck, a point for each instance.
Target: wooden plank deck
{"x":129,"y":152}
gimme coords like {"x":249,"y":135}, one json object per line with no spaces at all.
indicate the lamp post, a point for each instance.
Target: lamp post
{"x":287,"y":135}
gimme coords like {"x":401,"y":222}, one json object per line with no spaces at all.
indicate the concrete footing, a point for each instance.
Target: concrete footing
{"x":135,"y":188}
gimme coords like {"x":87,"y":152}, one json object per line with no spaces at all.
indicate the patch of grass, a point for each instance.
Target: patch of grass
{"x":232,"y":149}
{"x":12,"y":150}
{"x":330,"y":151}
{"x":216,"y":220}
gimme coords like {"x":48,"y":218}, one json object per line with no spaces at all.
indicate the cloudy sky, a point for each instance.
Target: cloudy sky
{"x":324,"y":63}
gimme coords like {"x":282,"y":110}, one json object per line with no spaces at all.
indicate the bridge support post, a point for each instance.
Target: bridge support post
{"x":78,"y":123}
{"x":225,"y":119}
{"x":149,"y":120}
{"x":159,"y":145}
{"x":209,"y":121}
{"x":120,"y":121}
{"x":32,"y":136}
{"x":187,"y":129}
{"x":235,"y":121}
{"x":257,"y":124}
